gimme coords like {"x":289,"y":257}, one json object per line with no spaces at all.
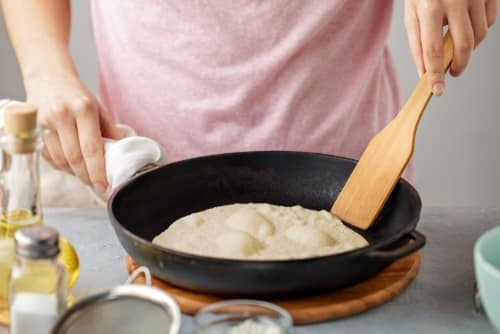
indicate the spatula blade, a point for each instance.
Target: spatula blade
{"x":374,"y":177}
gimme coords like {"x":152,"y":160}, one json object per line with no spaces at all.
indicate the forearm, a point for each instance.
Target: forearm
{"x":39,"y":33}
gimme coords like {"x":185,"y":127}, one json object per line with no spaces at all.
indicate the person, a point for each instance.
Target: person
{"x":204,"y":77}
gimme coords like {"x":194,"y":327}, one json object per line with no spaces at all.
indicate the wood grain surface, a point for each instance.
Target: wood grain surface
{"x":337,"y":304}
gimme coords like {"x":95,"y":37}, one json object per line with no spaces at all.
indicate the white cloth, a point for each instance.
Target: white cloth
{"x":128,"y":156}
{"x":124,"y":158}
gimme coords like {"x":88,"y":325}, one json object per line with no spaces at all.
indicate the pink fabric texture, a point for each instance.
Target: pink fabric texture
{"x":203,"y":77}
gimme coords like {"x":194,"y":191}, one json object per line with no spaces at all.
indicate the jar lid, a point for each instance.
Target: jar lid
{"x":37,"y":242}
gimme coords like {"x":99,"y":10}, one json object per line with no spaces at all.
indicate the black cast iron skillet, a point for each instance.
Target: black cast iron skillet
{"x":149,"y":203}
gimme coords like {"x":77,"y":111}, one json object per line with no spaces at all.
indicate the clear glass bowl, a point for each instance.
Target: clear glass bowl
{"x":243,"y":316}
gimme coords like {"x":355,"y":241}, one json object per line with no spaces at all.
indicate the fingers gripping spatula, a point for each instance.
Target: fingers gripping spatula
{"x":382,"y":163}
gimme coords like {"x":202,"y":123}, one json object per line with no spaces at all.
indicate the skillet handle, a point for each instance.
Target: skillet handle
{"x":415,"y":241}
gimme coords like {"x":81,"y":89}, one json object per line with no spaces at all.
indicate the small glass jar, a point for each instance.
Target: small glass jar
{"x":242,"y":316}
{"x":37,"y":285}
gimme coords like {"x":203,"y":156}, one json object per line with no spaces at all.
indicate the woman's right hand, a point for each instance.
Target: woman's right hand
{"x":77,"y":123}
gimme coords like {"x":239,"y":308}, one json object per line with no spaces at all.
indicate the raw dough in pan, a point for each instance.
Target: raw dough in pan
{"x":260,"y":231}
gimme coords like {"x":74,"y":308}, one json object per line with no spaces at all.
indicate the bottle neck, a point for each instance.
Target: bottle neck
{"x":20,"y":182}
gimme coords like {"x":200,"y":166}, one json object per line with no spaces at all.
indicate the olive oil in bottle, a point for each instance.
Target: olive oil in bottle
{"x":21,"y":143}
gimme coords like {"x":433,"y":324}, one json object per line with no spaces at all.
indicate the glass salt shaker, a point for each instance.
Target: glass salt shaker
{"x":37,"y":286}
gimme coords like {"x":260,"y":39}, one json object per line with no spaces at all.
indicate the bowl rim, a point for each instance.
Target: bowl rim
{"x":285,"y":318}
{"x":481,"y":261}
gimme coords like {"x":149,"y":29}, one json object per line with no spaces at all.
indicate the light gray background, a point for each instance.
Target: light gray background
{"x":457,"y":154}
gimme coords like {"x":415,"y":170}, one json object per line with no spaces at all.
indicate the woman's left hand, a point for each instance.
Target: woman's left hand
{"x":468,"y":22}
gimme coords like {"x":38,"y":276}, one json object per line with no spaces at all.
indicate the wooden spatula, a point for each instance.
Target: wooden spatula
{"x":381,"y":165}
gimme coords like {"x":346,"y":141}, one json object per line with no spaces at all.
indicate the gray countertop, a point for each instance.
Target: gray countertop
{"x":438,"y":301}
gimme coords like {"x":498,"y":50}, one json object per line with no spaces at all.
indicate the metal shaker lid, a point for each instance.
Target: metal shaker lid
{"x":37,"y":242}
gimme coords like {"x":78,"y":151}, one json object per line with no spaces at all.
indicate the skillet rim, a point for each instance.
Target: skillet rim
{"x":410,"y":226}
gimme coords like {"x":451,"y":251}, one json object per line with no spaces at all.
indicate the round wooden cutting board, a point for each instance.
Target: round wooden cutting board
{"x":328,"y":306}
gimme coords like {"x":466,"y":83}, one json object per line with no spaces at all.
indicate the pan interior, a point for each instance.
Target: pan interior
{"x":148,"y":204}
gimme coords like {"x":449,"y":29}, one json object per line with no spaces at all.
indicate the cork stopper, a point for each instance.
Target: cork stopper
{"x":18,"y":118}
{"x":19,"y":121}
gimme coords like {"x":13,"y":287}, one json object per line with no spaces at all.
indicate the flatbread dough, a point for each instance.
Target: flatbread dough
{"x":259,"y":231}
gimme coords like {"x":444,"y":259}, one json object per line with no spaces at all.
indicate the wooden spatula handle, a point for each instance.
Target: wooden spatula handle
{"x":415,"y":106}
{"x":447,"y":50}
{"x":385,"y":158}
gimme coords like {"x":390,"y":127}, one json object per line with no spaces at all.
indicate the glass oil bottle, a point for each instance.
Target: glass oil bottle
{"x":21,"y":143}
